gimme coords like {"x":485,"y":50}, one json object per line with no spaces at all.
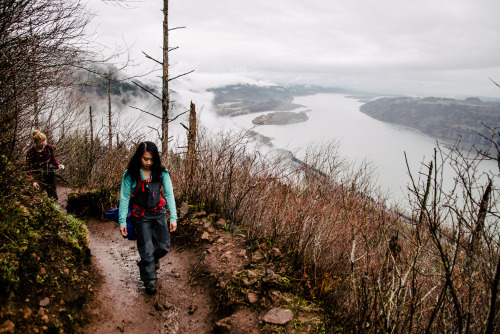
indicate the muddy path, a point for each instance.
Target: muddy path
{"x":182,"y":303}
{"x":121,"y":305}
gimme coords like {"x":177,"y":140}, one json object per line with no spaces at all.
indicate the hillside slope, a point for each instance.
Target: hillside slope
{"x":439,"y":117}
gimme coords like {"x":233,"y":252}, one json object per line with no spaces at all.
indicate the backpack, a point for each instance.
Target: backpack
{"x":147,"y":196}
{"x":113,"y":216}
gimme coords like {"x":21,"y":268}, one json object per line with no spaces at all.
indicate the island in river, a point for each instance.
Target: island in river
{"x":281,"y":118}
{"x":236,"y":100}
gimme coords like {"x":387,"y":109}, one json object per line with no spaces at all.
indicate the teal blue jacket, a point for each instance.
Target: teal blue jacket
{"x":128,"y":185}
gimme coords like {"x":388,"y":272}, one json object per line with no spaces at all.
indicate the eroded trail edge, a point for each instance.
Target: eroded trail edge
{"x":187,"y":278}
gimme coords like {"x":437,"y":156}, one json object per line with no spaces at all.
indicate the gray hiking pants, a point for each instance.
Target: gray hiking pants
{"x":153,"y":242}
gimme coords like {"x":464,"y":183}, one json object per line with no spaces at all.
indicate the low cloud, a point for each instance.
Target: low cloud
{"x":430,"y":48}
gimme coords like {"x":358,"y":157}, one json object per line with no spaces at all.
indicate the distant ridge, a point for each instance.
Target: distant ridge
{"x":240,"y":99}
{"x":445,"y":118}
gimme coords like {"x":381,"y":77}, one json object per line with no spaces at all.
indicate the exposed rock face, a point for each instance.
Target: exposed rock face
{"x":241,"y":322}
{"x":281,"y":118}
{"x":184,"y":210}
{"x":7,"y":327}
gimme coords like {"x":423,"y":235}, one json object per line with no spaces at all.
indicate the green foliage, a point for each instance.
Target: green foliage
{"x":33,"y":230}
{"x":32,"y":235}
{"x":44,"y":251}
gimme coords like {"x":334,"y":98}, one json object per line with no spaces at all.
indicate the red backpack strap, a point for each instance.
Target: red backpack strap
{"x":139,"y":184}
{"x":136,"y":189}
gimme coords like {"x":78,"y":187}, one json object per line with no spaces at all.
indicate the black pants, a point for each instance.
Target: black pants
{"x":47,"y":182}
{"x":153,"y":243}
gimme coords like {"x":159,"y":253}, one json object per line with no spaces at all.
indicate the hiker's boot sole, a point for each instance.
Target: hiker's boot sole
{"x":151,"y":290}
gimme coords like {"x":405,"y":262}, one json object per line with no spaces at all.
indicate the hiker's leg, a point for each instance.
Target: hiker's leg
{"x":145,"y":247}
{"x":50,"y":185}
{"x":160,"y":235}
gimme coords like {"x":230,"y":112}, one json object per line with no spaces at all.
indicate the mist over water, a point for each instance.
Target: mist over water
{"x":332,"y":117}
{"x":336,"y":117}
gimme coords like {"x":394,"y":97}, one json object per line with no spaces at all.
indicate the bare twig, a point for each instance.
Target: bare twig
{"x":170,"y":79}
{"x":153,"y":94}
{"x":144,"y":111}
{"x":149,"y":57}
{"x":170,"y":29}
{"x":173,"y":119}
{"x":196,"y":266}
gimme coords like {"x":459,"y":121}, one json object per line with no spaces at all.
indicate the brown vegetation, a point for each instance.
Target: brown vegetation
{"x":372,"y":269}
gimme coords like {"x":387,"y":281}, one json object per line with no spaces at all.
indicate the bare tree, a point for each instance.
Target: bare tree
{"x":165,"y":101}
{"x":165,"y":97}
{"x":110,"y":75}
{"x":40,"y":42}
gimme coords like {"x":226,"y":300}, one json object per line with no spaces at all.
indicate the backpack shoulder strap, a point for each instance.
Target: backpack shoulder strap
{"x":138,"y":185}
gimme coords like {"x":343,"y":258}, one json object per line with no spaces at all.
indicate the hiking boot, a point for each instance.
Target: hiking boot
{"x":150,"y":289}
{"x":157,"y":264}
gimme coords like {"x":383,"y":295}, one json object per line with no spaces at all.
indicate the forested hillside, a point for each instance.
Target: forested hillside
{"x":439,"y":117}
{"x":234,"y":100}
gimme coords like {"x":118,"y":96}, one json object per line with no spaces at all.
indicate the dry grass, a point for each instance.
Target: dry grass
{"x":374,"y":270}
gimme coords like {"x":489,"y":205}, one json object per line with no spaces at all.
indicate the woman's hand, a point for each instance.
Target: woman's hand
{"x":173,"y":226}
{"x":60,"y":166}
{"x":36,"y":186}
{"x":123,"y":230}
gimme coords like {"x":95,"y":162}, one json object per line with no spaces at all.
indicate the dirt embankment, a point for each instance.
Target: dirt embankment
{"x":184,"y":301}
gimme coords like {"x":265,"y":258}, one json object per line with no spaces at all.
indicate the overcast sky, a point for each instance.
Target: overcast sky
{"x":425,"y":47}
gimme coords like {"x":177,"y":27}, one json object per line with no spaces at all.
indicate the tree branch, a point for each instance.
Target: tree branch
{"x":135,"y":83}
{"x":176,"y":28}
{"x":181,"y":75}
{"x":147,"y":112}
{"x":149,"y":57}
{"x":173,"y":119}
{"x":494,"y":82}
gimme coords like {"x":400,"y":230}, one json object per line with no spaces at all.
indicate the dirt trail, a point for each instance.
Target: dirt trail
{"x":121,"y":305}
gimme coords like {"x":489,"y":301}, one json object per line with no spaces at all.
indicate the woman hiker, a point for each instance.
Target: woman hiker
{"x":147,"y":186}
{"x":39,"y":159}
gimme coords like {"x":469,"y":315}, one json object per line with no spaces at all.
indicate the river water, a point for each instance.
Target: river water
{"x":336,"y":117}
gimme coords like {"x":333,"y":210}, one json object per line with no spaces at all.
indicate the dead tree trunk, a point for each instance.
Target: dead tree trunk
{"x":90,"y":161}
{"x":110,"y":131}
{"x":91,"y":117}
{"x":165,"y":96}
{"x":191,"y":155}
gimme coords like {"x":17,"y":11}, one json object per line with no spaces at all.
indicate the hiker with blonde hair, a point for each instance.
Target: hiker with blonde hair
{"x":40,"y":158}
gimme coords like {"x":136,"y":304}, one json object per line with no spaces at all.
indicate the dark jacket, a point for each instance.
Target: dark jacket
{"x":39,"y":162}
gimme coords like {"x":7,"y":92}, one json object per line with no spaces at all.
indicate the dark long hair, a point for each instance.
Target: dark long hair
{"x":134,"y":166}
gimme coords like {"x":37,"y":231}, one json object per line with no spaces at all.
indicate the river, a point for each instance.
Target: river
{"x":336,"y":117}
